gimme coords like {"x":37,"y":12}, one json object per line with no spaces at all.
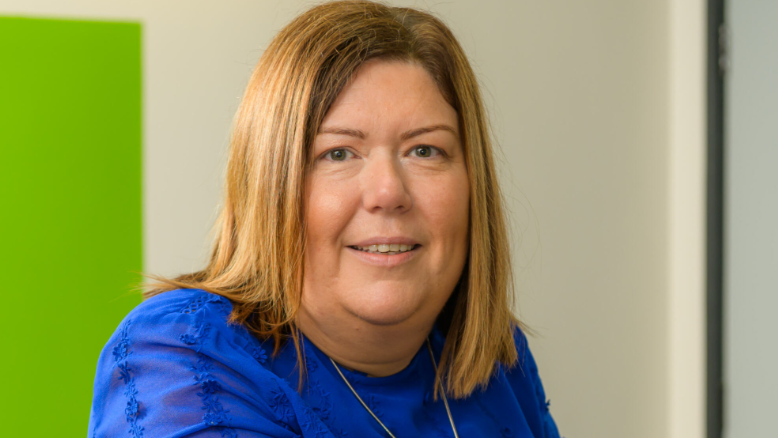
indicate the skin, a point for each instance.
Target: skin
{"x":374,"y":315}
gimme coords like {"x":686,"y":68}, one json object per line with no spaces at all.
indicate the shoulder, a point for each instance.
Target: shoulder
{"x":525,"y":362}
{"x":175,"y":366}
{"x":179,"y":301}
{"x":525,"y":381}
{"x":189,"y":317}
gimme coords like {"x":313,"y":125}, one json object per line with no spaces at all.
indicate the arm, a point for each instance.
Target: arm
{"x":526,"y":383}
{"x":175,"y":368}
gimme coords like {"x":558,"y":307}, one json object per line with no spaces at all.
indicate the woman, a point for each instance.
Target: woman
{"x":359,"y":285}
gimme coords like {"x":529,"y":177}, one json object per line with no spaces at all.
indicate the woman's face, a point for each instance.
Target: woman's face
{"x":387,"y":200}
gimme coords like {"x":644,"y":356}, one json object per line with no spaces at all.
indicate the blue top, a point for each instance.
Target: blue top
{"x":175,"y":368}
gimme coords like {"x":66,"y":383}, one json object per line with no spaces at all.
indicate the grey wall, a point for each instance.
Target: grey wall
{"x":751,"y":221}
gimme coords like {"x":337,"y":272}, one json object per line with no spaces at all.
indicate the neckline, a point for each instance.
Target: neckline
{"x":421,"y":358}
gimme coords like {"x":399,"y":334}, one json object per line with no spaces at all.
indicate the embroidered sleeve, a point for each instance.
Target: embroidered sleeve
{"x":528,"y":387}
{"x":174,"y":367}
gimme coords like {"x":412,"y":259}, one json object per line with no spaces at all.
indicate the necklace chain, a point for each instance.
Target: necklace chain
{"x":364,"y":405}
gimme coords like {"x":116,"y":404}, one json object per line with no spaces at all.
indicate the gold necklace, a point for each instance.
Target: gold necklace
{"x":364,"y":405}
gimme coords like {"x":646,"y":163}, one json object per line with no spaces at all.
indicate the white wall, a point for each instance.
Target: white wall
{"x":579,"y":98}
{"x":686,"y":219}
{"x":579,"y":94}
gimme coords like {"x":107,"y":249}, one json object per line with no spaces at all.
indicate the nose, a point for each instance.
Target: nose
{"x":384,"y":187}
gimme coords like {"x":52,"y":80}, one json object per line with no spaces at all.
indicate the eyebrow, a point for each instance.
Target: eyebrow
{"x":404,"y":136}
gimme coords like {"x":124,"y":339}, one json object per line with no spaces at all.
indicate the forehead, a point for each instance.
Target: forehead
{"x":390,"y":92}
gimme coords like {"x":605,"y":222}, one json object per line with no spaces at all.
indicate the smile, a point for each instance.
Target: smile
{"x":386,"y":249}
{"x":385,"y":255}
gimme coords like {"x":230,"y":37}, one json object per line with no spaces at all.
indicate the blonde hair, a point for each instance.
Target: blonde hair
{"x":257,"y":258}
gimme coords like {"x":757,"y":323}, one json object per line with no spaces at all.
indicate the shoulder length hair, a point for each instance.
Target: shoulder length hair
{"x":257,"y":257}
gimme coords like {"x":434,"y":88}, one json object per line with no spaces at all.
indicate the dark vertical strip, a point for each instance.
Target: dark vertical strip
{"x":717,"y":63}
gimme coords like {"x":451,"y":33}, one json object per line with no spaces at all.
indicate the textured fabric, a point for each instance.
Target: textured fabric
{"x":176,"y":368}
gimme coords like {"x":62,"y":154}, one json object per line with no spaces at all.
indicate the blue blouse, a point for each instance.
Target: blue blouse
{"x":175,"y":368}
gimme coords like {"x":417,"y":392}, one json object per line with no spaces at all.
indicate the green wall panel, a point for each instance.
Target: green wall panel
{"x":70,"y":197}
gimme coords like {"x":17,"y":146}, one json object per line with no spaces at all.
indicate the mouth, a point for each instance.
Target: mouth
{"x":386,"y":249}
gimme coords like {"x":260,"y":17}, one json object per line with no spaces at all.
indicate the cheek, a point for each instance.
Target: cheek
{"x":446,"y":203}
{"x":328,"y":209}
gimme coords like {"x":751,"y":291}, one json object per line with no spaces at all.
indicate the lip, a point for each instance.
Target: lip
{"x":384,"y":260}
{"x":399,"y":240}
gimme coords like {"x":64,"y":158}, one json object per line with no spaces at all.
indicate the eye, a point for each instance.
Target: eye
{"x":338,"y":155}
{"x":425,"y":151}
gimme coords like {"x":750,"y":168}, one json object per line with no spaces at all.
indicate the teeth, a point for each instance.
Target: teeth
{"x":383,"y":248}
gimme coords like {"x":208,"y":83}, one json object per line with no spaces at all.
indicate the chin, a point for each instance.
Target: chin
{"x":385,"y":319}
{"x":387,"y":310}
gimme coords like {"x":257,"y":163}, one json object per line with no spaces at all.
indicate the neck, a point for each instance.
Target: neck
{"x":376,"y":350}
